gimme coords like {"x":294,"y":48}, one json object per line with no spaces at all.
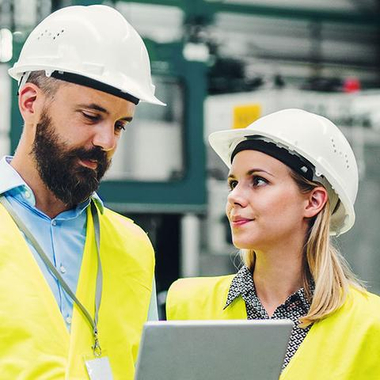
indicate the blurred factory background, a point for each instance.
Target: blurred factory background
{"x":221,"y":64}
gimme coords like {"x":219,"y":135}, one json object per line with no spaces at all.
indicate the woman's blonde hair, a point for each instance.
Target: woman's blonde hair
{"x":325,"y":269}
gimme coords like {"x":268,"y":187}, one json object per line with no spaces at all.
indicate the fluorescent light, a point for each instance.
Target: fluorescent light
{"x":6,"y":45}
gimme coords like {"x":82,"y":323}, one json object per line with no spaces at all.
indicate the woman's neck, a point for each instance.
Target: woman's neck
{"x":277,"y":275}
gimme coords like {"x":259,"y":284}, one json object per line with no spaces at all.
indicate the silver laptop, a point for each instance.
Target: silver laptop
{"x":213,"y":350}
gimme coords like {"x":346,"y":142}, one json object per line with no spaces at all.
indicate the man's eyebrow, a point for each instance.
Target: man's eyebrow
{"x":96,"y":107}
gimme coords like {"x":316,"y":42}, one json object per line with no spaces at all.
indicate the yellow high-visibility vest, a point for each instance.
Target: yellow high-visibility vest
{"x":34,"y":340}
{"x":343,"y":346}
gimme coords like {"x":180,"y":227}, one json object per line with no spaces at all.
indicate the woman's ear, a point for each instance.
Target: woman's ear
{"x":317,"y":199}
{"x":30,"y":101}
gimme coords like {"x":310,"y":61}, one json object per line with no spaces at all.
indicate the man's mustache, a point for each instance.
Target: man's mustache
{"x":96,"y":154}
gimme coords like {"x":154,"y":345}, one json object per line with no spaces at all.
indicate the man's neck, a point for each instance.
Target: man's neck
{"x":46,"y":201}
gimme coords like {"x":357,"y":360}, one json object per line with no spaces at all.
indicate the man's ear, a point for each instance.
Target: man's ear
{"x":316,"y":200}
{"x":30,"y":101}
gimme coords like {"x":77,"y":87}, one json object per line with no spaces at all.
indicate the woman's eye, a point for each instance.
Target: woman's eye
{"x":259,"y":181}
{"x":232,"y":184}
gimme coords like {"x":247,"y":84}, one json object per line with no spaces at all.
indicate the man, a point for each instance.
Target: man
{"x":75,"y":278}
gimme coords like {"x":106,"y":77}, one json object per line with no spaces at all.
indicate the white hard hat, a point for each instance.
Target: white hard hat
{"x":90,"y":45}
{"x":313,"y":138}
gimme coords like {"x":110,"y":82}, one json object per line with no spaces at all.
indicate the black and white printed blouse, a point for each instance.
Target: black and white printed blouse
{"x":293,"y":308}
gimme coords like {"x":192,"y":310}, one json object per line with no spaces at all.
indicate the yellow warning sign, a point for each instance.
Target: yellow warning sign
{"x":245,"y":115}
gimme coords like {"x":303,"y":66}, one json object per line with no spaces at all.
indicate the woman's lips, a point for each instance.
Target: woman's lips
{"x":236,"y":222}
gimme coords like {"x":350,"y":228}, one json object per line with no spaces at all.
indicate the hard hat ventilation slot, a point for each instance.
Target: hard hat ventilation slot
{"x":333,"y":145}
{"x":50,"y":35}
{"x":347,"y":162}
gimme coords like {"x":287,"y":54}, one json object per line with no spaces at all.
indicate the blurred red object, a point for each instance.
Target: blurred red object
{"x":351,"y":84}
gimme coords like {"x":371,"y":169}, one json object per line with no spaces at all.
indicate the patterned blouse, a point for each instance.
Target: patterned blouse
{"x":293,"y":308}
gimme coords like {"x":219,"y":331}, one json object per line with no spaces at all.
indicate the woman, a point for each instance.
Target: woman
{"x":293,"y":182}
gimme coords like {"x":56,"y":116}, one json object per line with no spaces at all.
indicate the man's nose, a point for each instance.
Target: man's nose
{"x":105,"y":137}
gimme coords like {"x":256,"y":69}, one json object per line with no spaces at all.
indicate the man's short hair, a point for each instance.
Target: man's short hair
{"x":47,"y":84}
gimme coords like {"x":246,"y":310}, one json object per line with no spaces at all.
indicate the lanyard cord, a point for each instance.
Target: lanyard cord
{"x":99,"y":277}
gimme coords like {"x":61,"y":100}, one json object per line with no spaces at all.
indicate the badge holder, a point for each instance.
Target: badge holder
{"x":98,"y":368}
{"x":98,"y":365}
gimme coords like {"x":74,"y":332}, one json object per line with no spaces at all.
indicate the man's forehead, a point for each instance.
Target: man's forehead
{"x":82,"y":96}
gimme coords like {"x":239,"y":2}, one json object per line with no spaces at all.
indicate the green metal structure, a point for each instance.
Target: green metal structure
{"x":207,"y":8}
{"x":187,"y":194}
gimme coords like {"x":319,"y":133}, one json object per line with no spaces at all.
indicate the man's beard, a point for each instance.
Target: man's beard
{"x":58,"y":165}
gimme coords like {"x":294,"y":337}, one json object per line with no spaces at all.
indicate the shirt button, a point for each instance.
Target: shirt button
{"x":68,"y":320}
{"x":54,"y":222}
{"x":27,"y":194}
{"x":62,"y":269}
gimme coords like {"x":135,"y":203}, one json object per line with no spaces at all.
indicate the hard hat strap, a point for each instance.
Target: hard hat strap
{"x":92,"y":83}
{"x":294,"y":161}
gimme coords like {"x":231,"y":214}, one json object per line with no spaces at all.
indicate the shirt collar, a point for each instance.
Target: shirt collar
{"x":243,"y":283}
{"x":95,"y":197}
{"x":10,"y":179}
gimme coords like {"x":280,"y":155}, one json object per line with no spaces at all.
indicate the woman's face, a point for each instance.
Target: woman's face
{"x":265,"y":206}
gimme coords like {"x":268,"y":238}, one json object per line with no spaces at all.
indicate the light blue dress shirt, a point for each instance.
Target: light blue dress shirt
{"x":62,"y":238}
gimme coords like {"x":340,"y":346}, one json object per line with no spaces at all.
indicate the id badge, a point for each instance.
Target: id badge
{"x":99,"y":368}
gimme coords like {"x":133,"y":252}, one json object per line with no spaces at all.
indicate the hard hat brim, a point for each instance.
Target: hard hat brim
{"x":16,"y":72}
